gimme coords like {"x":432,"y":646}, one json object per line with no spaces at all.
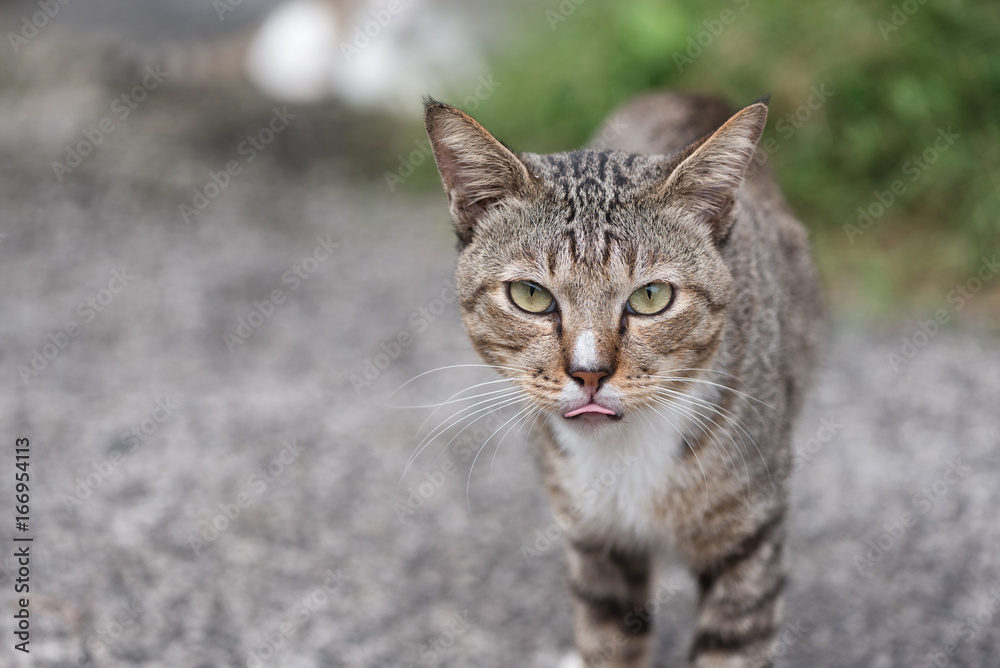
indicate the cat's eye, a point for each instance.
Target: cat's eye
{"x":650,"y":299}
{"x":531,"y":297}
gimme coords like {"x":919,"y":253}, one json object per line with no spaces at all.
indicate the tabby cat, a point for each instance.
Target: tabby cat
{"x":657,"y":303}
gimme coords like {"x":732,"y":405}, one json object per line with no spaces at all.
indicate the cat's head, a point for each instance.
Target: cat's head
{"x":592,"y":278}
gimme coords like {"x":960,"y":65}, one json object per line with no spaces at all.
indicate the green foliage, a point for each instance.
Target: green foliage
{"x":899,"y":72}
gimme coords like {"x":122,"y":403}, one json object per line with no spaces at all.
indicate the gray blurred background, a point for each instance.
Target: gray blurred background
{"x":205,"y":360}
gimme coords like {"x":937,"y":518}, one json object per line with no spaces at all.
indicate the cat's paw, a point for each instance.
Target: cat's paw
{"x":571,"y":660}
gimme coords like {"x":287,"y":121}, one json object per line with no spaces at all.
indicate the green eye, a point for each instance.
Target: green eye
{"x":531,"y":297}
{"x":650,"y":299}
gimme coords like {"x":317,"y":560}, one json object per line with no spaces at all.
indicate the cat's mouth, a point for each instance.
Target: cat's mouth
{"x":593,"y":411}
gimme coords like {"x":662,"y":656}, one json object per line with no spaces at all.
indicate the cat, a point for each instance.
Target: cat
{"x":657,"y":303}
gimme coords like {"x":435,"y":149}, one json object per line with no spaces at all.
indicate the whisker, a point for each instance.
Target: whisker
{"x":713,"y":438}
{"x":510,"y":402}
{"x":459,"y":366}
{"x":712,"y":408}
{"x":468,"y":483}
{"x":725,"y":387}
{"x":437,"y":431}
{"x":696,"y":415}
{"x":531,"y":411}
{"x":696,"y":458}
{"x":434,"y":412}
{"x":453,"y":400}
{"x":732,"y":419}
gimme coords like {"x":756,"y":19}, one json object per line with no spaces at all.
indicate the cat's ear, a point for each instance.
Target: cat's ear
{"x":478,"y":171}
{"x":704,"y":185}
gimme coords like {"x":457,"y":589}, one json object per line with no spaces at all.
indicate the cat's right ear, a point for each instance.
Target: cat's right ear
{"x":478,"y":171}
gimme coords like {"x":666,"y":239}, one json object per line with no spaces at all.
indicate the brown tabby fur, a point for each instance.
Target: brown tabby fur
{"x":704,"y":393}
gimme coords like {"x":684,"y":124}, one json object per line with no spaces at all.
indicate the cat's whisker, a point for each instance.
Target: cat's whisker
{"x":535,"y":410}
{"x":460,"y":366}
{"x":431,"y":435}
{"x":727,"y":459}
{"x":724,"y":413}
{"x":731,"y":418}
{"x":481,"y":413}
{"x":455,"y":398}
{"x":531,"y":417}
{"x":746,"y":397}
{"x":472,"y":467}
{"x":511,"y":402}
{"x":719,"y":385}
{"x":534,"y":421}
{"x":726,"y":387}
{"x":704,"y":477}
{"x":714,"y":439}
{"x":531,"y":410}
{"x":692,"y":413}
{"x":497,"y":403}
{"x":714,"y":371}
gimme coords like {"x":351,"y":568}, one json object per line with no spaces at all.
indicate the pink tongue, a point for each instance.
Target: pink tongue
{"x":590,"y":408}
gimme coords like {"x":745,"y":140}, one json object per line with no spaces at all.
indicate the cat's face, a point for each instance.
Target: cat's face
{"x":591,"y":279}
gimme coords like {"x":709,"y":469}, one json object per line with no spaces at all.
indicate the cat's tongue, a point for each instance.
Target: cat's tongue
{"x":590,"y":408}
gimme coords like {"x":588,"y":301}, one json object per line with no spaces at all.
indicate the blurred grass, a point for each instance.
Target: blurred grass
{"x":893,"y":87}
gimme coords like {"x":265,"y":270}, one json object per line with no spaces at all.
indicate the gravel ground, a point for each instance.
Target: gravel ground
{"x":201,"y":499}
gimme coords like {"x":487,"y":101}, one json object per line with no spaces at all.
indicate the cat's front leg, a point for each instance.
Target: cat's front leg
{"x":610,"y":589}
{"x":741,"y":595}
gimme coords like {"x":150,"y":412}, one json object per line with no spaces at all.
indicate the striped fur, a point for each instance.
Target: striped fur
{"x":697,"y":455}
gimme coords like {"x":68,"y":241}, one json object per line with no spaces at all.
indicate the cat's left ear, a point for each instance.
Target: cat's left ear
{"x":478,"y":171}
{"x":704,"y":185}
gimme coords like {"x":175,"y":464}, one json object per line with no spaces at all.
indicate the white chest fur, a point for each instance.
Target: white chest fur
{"x":619,"y":475}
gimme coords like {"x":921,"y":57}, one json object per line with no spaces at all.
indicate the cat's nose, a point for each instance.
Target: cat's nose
{"x":591,"y":380}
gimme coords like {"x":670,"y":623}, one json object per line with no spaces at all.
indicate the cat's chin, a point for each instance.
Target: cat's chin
{"x":594,"y":418}
{"x":590,"y":423}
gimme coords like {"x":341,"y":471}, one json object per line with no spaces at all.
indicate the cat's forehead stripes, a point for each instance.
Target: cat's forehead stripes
{"x":592,"y":190}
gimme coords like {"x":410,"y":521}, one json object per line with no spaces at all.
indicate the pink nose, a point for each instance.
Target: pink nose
{"x":591,"y":380}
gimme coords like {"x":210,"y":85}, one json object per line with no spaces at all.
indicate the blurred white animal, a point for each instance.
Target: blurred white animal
{"x":385,"y":54}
